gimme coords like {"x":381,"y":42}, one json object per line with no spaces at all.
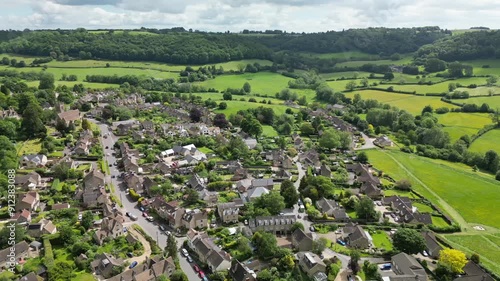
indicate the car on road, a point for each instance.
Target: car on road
{"x":204,"y":278}
{"x":128,"y":214}
{"x":133,"y":264}
{"x":196,"y":268}
{"x":107,"y":147}
{"x":141,"y":208}
{"x":162,"y":228}
{"x":150,"y":218}
{"x":80,"y":216}
{"x":113,"y":176}
{"x":312,"y":229}
{"x":201,"y":274}
{"x":189,"y":259}
{"x":341,"y":242}
{"x":144,"y":214}
{"x":133,"y":217}
{"x":184,"y":252}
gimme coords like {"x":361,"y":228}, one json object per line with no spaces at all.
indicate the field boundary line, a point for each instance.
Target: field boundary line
{"x":454,"y":213}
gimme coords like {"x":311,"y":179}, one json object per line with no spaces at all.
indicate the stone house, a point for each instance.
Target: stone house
{"x":104,"y":264}
{"x":310,"y":263}
{"x":302,"y":241}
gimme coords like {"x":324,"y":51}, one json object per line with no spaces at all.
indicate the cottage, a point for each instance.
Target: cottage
{"x":150,"y":270}
{"x":28,"y":182}
{"x":383,"y":141}
{"x":406,"y":267}
{"x":69,"y":116}
{"x":95,"y":178}
{"x":195,"y":182}
{"x":310,"y":263}
{"x":240,"y":272}
{"x":134,"y":182}
{"x":147,"y":125}
{"x":105,"y":265}
{"x":29,"y":201}
{"x":208,"y":251}
{"x":195,"y":219}
{"x":228,"y":212}
{"x":110,"y":227}
{"x":32,"y":161}
{"x":273,"y":224}
{"x":255,"y":193}
{"x":332,"y":209}
{"x":168,"y":211}
{"x":22,"y":217}
{"x":432,"y":246}
{"x":325,"y":171}
{"x":43,"y":227}
{"x":474,"y":272}
{"x":405,"y":212}
{"x":210,"y":197}
{"x":267,"y":183}
{"x":124,"y":129}
{"x":302,"y":241}
{"x":356,"y":237}
{"x":21,"y":253}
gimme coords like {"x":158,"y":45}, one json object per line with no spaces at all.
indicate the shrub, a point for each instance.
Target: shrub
{"x":497,"y":177}
{"x":134,"y":195}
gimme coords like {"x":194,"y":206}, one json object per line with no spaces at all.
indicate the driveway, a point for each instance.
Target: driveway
{"x":145,"y":244}
{"x":368,"y":142}
{"x":129,"y":206}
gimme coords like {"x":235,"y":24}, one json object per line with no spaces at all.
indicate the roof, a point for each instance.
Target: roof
{"x":20,"y":247}
{"x":326,"y":205}
{"x":310,"y":259}
{"x":70,"y":115}
{"x":95,"y":173}
{"x":300,"y":235}
{"x":262,"y":182}
{"x":60,"y":206}
{"x":257,"y":192}
{"x":240,"y":272}
{"x":358,"y":233}
{"x":216,"y":258}
{"x":28,"y":277}
{"x":408,"y":265}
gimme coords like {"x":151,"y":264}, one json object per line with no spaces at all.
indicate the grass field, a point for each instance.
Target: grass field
{"x":438,"y":87}
{"x":481,"y":90}
{"x":120,"y":71}
{"x":479,"y":70}
{"x":484,"y":245}
{"x":29,"y":147}
{"x":351,"y":55}
{"x":391,"y":192}
{"x":488,"y":141}
{"x":235,"y":105}
{"x":422,"y":207}
{"x":446,"y":184}
{"x":262,"y":82}
{"x":345,"y":74}
{"x":411,"y":103}
{"x":403,"y":60}
{"x":269,"y":131}
{"x":72,"y":83}
{"x":459,"y":124}
{"x":381,"y":240}
{"x":439,"y":221}
{"x":241,"y":64}
{"x":493,"y":102}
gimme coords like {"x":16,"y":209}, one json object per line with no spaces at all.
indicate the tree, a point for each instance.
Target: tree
{"x":178,"y":275}
{"x":403,"y":184}
{"x":66,"y":234}
{"x":171,"y":248}
{"x":306,"y":129}
{"x":289,"y":193}
{"x":13,"y":62}
{"x":247,"y":87}
{"x":222,"y":105}
{"x":362,"y":157}
{"x":191,"y":196}
{"x":319,"y":245}
{"x":19,"y":232}
{"x":220,"y":121}
{"x":497,"y":176}
{"x":87,"y":220}
{"x":427,"y":108}
{"x":389,"y":76}
{"x":266,"y":244}
{"x":475,"y":258}
{"x":354,"y":262}
{"x":227,"y":96}
{"x":297,"y":225}
{"x":47,"y":81}
{"x":252,"y":127}
{"x":491,"y":161}
{"x":351,"y":85}
{"x":195,"y":114}
{"x":452,"y":259}
{"x":330,"y":139}
{"x":371,"y":271}
{"x":491,"y":80}
{"x":273,"y":202}
{"x":364,"y":82}
{"x":434,"y":65}
{"x":61,"y":270}
{"x":366,"y":209}
{"x":86,"y":124}
{"x":409,"y":241}
{"x":32,"y":124}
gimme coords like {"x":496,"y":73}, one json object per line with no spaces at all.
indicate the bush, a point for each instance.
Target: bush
{"x":497,"y":177}
{"x":134,"y":195}
{"x":403,"y":185}
{"x":48,"y":253}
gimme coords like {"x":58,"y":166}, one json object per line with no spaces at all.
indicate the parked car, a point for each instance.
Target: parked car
{"x":312,"y":229}
{"x":133,"y":264}
{"x":130,"y":254}
{"x":341,"y":242}
{"x":107,"y":147}
{"x":184,"y":252}
{"x":80,"y":216}
{"x":127,"y":214}
{"x":189,"y":259}
{"x":150,"y":218}
{"x":196,"y":268}
{"x":113,"y":176}
{"x":162,"y":228}
{"x":144,"y":214}
{"x":141,"y":208}
{"x":133,"y":217}
{"x":201,"y":274}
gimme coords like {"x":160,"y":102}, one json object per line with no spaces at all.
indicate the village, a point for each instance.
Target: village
{"x":231,"y":205}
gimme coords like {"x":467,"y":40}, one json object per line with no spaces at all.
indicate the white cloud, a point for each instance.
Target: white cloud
{"x":236,"y":15}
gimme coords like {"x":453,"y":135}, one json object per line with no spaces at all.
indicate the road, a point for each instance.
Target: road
{"x":128,"y":206}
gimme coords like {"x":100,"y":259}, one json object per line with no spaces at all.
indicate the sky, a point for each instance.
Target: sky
{"x":236,"y":15}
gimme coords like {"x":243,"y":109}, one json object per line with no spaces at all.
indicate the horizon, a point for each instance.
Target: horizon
{"x":236,"y":15}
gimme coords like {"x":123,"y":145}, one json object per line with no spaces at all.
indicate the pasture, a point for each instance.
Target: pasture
{"x":241,"y":64}
{"x":72,"y":83}
{"x":235,"y":105}
{"x":81,"y":73}
{"x":493,"y":102}
{"x":411,"y":103}
{"x":458,"y":124}
{"x":481,"y":91}
{"x":345,"y":74}
{"x":438,"y":87}
{"x":486,"y":245}
{"x":403,"y":60}
{"x":350,"y":55}
{"x":264,"y":83}
{"x":449,"y":185}
{"x":488,"y":141}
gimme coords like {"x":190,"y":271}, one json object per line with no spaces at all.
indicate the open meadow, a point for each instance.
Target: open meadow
{"x":404,"y":60}
{"x":411,"y":103}
{"x":493,"y":102}
{"x":235,"y":105}
{"x":488,"y":141}
{"x":264,"y":83}
{"x":454,"y":187}
{"x":458,"y":124}
{"x":438,"y":87}
{"x":481,"y":91}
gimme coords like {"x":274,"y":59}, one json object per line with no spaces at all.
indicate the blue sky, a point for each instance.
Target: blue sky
{"x":236,"y":15}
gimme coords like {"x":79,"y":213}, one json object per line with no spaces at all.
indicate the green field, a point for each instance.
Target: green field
{"x":446,"y":184}
{"x":269,"y":131}
{"x":81,"y":73}
{"x":438,"y":87}
{"x":241,"y":64}
{"x":266,"y":83}
{"x":493,"y":102}
{"x":403,"y":60}
{"x":351,"y":55}
{"x":381,"y":240}
{"x":479,"y":70}
{"x":488,"y":141}
{"x":484,"y":245}
{"x":72,"y":83}
{"x":345,"y":74}
{"x":235,"y":105}
{"x":411,"y":103}
{"x":481,"y":91}
{"x":459,"y":124}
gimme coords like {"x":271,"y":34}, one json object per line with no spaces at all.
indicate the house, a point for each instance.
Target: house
{"x":111,"y":227}
{"x":43,"y":227}
{"x":267,"y":183}
{"x":95,"y":178}
{"x":130,"y":165}
{"x":29,"y":201}
{"x":28,"y":182}
{"x":67,"y":162}
{"x":124,"y":129}
{"x":255,"y":193}
{"x":210,"y":197}
{"x":60,"y":206}
{"x":369,"y":183}
{"x":195,"y":219}
{"x":150,"y":270}
{"x":195,"y":182}
{"x":405,"y":212}
{"x":9,"y":113}
{"x":250,"y":142}
{"x":134,"y":182}
{"x":92,"y":196}
{"x":310,"y":158}
{"x":432,"y":246}
{"x":148,"y":184}
{"x":302,"y":241}
{"x":356,"y":237}
{"x":169,"y":211}
{"x":406,"y":267}
{"x":29,"y":277}
{"x":147,"y":125}
{"x":240,"y":174}
{"x":282,"y":175}
{"x":228,"y":212}
{"x":32,"y":161}
{"x":208,"y":252}
{"x":22,"y":217}
{"x":310,"y":263}
{"x":473,"y":272}
{"x":69,"y":116}
{"x":332,"y":209}
{"x":383,"y":141}
{"x":138,"y":135}
{"x":240,"y":272}
{"x":325,"y":171}
{"x":105,"y":265}
{"x":371,"y":190}
{"x":273,"y":224}
{"x":21,"y":253}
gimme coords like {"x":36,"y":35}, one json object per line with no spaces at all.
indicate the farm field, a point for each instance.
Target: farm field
{"x":450,"y":186}
{"x":488,"y":141}
{"x":403,"y":60}
{"x":411,"y":103}
{"x":493,"y":102}
{"x":239,"y":64}
{"x":235,"y":105}
{"x":493,"y":69}
{"x":351,"y":55}
{"x":72,"y":83}
{"x":345,"y":74}
{"x":438,"y":87}
{"x":264,"y":83}
{"x":459,"y":124}
{"x":488,"y":249}
{"x":481,"y":90}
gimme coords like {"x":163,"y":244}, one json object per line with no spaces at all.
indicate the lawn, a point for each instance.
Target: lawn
{"x":81,"y":73}
{"x":479,"y":70}
{"x":29,"y":147}
{"x":102,"y":63}
{"x":422,"y":207}
{"x":488,"y":141}
{"x":392,"y":192}
{"x":264,"y":83}
{"x":205,"y":150}
{"x":239,"y":64}
{"x":452,"y":186}
{"x":459,"y":124}
{"x":411,"y":103}
{"x":269,"y":131}
{"x":439,"y":221}
{"x":345,"y":74}
{"x":493,"y":102}
{"x":381,"y":240}
{"x":487,"y":249}
{"x":438,"y":87}
{"x":403,"y":60}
